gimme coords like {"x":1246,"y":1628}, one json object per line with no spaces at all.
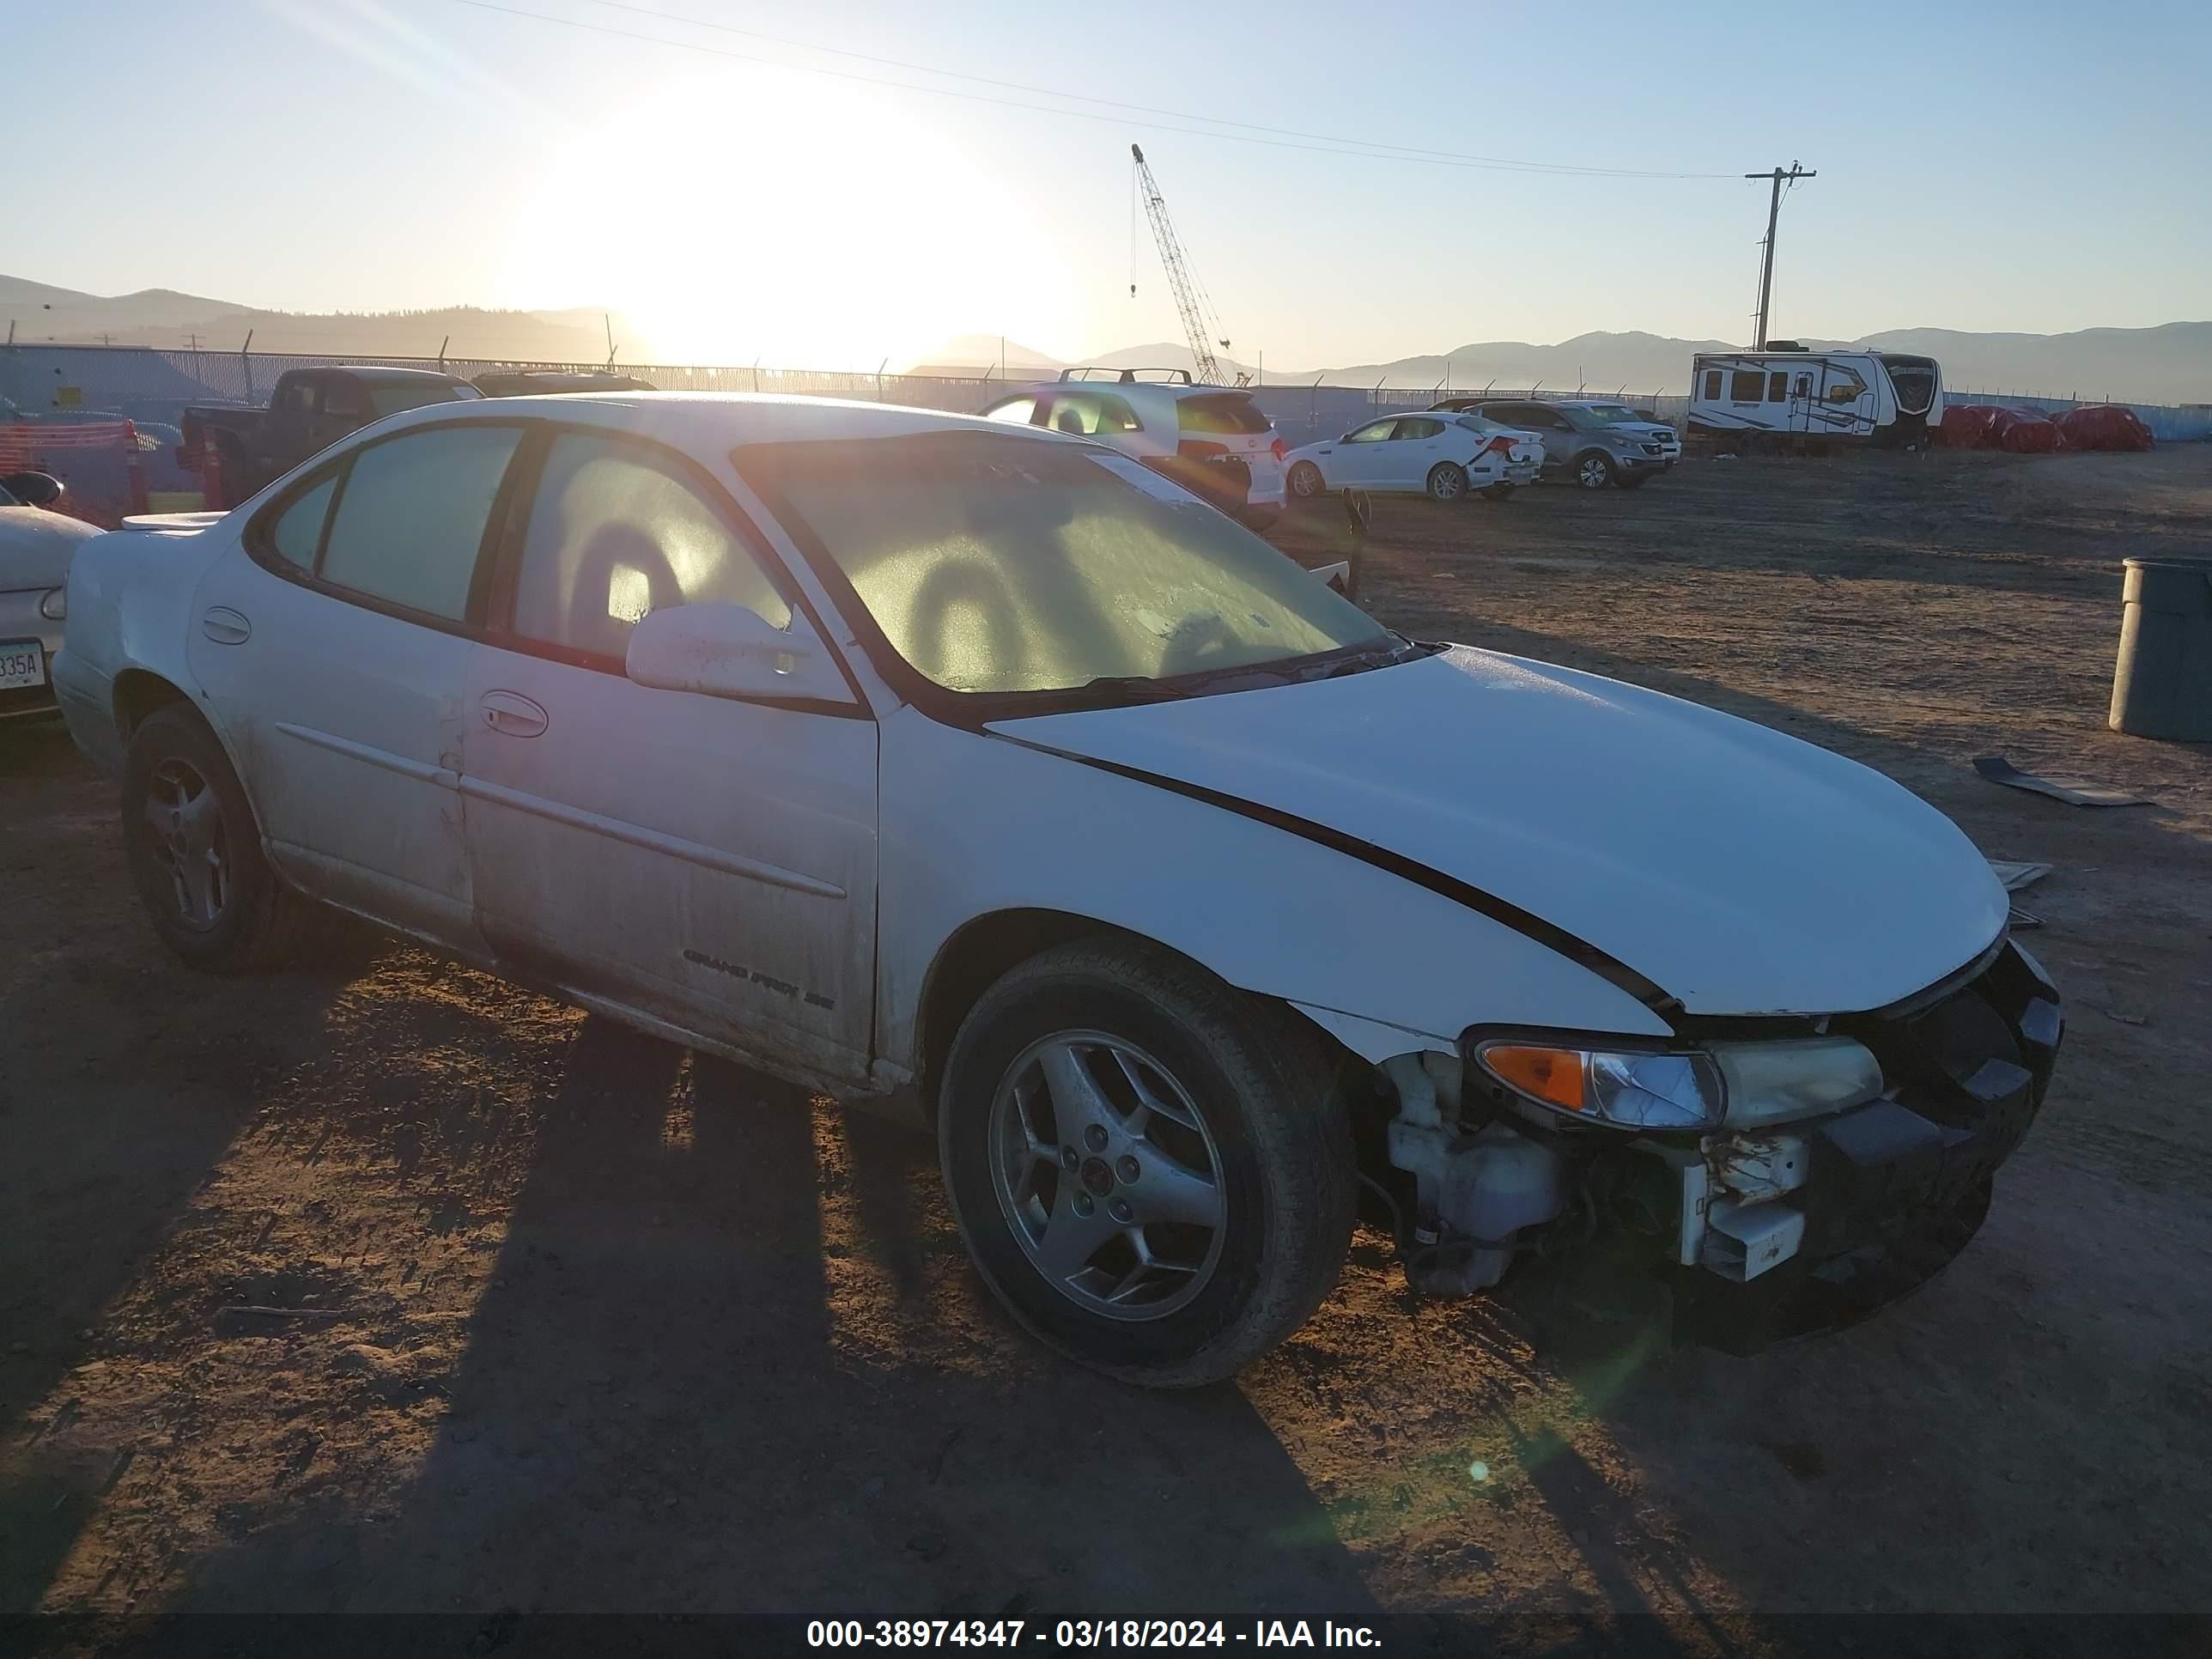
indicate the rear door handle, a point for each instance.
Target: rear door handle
{"x":512,"y":714}
{"x":225,"y":626}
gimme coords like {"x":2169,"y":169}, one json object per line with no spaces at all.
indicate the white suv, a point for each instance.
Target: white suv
{"x":1215,"y":440}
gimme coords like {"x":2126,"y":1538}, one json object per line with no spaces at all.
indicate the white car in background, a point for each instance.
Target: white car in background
{"x":1216,"y":441}
{"x":987,"y":776}
{"x":35,"y":549}
{"x":1435,"y":454}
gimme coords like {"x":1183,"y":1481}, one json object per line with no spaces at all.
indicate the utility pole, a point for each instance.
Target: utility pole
{"x":1766,"y":262}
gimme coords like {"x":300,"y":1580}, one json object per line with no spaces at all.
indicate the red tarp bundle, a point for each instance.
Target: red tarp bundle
{"x":2102,"y":426}
{"x":1992,"y":426}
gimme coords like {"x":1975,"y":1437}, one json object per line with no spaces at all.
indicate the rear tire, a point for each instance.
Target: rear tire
{"x":195,"y":854}
{"x":1447,"y":480}
{"x":1306,"y":481}
{"x":1152,"y":1171}
{"x":1594,"y":470}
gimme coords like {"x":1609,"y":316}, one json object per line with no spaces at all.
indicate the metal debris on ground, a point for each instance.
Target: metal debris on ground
{"x":2016,"y":876}
{"x":2074,"y":792}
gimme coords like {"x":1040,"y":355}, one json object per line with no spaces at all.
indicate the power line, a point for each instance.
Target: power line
{"x":1145,"y":109}
{"x":1331,"y":144}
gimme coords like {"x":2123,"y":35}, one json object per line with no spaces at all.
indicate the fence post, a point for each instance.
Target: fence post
{"x":246,"y":359}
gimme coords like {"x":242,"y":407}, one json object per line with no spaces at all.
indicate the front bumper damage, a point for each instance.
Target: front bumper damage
{"x":1759,"y":1235}
{"x":1882,"y":1198}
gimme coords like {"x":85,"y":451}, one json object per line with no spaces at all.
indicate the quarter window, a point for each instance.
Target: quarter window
{"x":299,"y":528}
{"x":1747,"y":385}
{"x":615,"y":533}
{"x":410,"y":519}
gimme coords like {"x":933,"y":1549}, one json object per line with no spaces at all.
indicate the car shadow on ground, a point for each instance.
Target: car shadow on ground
{"x":730,"y":1360}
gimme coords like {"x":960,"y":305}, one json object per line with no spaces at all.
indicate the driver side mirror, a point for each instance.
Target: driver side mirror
{"x":729,"y":651}
{"x":34,"y":488}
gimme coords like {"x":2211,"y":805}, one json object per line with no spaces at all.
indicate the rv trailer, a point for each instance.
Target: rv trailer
{"x":1787,"y":395}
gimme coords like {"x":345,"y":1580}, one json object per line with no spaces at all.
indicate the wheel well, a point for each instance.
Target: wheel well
{"x":138,"y":693}
{"x":974,"y":958}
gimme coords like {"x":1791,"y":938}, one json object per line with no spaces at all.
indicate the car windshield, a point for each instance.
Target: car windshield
{"x":1004,"y":563}
{"x":1594,"y":415}
{"x":390,"y":396}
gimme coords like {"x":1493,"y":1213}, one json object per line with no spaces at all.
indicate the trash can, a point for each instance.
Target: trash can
{"x":2162,"y":686}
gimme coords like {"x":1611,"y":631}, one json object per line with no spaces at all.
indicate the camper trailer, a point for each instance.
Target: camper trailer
{"x":1787,"y":395}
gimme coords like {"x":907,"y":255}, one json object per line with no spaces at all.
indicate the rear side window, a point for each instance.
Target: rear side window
{"x":1747,"y":385}
{"x":1419,"y":427}
{"x":1086,"y":414}
{"x":411,"y":517}
{"x":298,"y":531}
{"x":617,"y":533}
{"x":1712,"y":385}
{"x":1221,"y":412}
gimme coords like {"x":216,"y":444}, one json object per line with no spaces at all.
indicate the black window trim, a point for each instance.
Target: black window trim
{"x":510,"y":523}
{"x":261,"y":548}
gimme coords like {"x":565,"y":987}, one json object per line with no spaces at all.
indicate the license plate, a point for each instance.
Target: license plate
{"x":22,"y":662}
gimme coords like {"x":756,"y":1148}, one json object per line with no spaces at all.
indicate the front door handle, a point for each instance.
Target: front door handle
{"x":512,"y":714}
{"x":225,"y":626}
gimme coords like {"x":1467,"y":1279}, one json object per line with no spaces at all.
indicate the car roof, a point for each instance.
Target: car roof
{"x":1170,"y":391}
{"x":382,"y":372}
{"x":708,"y":424}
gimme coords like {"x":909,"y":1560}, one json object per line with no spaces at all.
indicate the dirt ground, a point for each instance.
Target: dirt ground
{"x":566,"y":1319}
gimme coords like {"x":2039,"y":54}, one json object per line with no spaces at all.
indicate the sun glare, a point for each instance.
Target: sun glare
{"x":772,"y":217}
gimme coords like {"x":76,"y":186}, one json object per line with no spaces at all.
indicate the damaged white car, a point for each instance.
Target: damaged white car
{"x":981,"y":772}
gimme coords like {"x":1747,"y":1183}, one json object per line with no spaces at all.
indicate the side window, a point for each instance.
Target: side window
{"x":342,"y":398}
{"x":1778,"y":387}
{"x":1015,"y":411}
{"x":297,"y":396}
{"x":1804,"y":387}
{"x":615,"y":533}
{"x":1747,"y":385}
{"x":1712,"y":385}
{"x":1114,"y":414}
{"x":1373,"y":433}
{"x":298,"y":531}
{"x":1419,"y":427}
{"x":412,"y":516}
{"x":1845,"y":387}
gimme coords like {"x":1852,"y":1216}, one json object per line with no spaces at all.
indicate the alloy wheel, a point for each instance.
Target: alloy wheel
{"x":183,"y":815}
{"x":1106,"y":1172}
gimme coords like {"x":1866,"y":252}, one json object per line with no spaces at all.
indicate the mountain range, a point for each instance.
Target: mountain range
{"x":2167,"y":364}
{"x":2171,"y":364}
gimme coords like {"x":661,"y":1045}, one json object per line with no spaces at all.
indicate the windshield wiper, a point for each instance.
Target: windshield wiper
{"x":1142,"y":687}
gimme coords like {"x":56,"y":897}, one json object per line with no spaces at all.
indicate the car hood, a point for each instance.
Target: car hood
{"x":1743,"y":871}
{"x":36,"y":545}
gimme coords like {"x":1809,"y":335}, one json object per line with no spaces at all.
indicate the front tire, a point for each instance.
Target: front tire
{"x":1594,"y":470}
{"x":1447,"y":480}
{"x":195,"y":852}
{"x":1152,"y":1171}
{"x":1306,"y":481}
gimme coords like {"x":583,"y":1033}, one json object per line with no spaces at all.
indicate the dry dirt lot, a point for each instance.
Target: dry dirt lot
{"x":574,"y":1321}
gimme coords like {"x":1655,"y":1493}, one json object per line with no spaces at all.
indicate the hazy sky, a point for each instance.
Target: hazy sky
{"x":2000,"y":165}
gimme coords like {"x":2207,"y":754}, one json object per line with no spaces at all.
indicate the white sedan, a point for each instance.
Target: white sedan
{"x":982,"y":773}
{"x":1440,"y":454}
{"x":35,"y":549}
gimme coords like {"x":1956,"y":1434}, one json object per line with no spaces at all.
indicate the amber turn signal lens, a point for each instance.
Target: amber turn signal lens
{"x":1554,"y":1075}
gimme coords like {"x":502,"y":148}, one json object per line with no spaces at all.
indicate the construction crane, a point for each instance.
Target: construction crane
{"x":1191,"y":303}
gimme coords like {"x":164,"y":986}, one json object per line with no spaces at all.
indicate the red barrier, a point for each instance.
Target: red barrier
{"x":2102,"y":426}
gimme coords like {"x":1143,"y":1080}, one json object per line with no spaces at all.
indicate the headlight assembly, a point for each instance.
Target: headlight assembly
{"x":1732,"y":1084}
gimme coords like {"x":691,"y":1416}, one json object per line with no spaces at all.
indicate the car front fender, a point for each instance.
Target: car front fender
{"x":975,"y":825}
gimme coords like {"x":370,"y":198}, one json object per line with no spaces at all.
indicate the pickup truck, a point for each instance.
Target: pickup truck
{"x":237,"y":450}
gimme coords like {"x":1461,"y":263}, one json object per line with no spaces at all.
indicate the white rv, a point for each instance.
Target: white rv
{"x":1786,"y":394}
